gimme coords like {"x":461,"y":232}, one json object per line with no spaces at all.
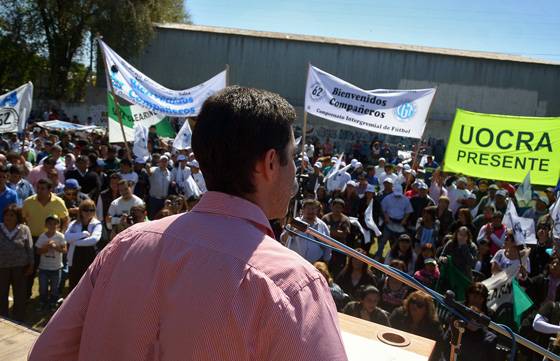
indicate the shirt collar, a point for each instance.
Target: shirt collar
{"x":232,"y":206}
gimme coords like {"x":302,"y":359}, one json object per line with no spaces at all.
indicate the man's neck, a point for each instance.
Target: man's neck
{"x":44,"y":199}
{"x":128,"y":197}
{"x":50,"y":233}
{"x":309,"y":220}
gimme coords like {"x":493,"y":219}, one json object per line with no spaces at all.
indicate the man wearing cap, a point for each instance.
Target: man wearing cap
{"x":420,"y":201}
{"x":216,"y":270}
{"x":396,"y":211}
{"x":457,"y":194}
{"x":488,"y":199}
{"x":72,"y":197}
{"x":388,"y":174}
{"x":315,"y":179}
{"x":380,"y":167}
{"x":23,"y":188}
{"x":197,"y":176}
{"x":160,"y":180}
{"x":119,"y":209}
{"x":126,"y":172}
{"x":501,"y":200}
{"x":540,"y":209}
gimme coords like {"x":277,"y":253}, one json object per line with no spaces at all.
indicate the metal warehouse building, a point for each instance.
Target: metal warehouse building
{"x":181,"y":56}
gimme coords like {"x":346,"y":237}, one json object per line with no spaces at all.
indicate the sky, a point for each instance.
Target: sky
{"x":527,"y":28}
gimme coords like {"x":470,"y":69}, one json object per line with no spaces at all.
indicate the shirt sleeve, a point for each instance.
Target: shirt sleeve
{"x":61,"y":209}
{"x":41,"y":241}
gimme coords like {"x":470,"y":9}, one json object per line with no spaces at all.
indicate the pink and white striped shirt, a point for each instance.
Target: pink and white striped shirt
{"x":212,"y":284}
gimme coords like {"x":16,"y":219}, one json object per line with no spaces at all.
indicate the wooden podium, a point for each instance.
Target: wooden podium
{"x":366,"y":340}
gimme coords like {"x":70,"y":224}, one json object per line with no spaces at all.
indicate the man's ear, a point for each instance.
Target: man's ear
{"x":268,"y":165}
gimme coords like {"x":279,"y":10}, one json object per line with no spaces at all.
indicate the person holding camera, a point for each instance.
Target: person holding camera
{"x":119,"y":209}
{"x":82,"y":236}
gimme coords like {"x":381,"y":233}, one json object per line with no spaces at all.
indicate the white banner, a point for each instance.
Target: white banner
{"x":183,"y":138}
{"x":15,"y":107}
{"x":130,"y":84}
{"x":499,"y":287}
{"x":523,"y":228}
{"x":59,"y":125}
{"x":395,"y":112}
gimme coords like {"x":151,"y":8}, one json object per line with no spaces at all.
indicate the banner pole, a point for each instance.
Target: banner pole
{"x":415,"y":160}
{"x":227,"y":74}
{"x":118,"y":109}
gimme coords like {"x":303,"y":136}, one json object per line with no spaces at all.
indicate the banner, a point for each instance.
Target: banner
{"x":500,"y":288}
{"x":140,"y":148}
{"x":523,"y":228}
{"x":504,"y":147}
{"x":395,"y":112}
{"x":130,"y":84}
{"x":183,"y":139}
{"x":15,"y":107}
{"x":134,"y":114}
{"x":60,"y":126}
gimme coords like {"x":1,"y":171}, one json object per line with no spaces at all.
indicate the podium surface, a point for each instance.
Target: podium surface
{"x":364,"y":340}
{"x":15,"y":341}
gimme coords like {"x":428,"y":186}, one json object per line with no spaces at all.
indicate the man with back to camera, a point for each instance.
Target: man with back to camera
{"x":211,"y":284}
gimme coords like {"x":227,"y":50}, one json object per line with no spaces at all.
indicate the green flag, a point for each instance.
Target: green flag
{"x":451,"y":278}
{"x":521,"y":302}
{"x":131,"y":114}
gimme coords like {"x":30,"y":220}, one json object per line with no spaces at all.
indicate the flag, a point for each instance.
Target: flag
{"x":183,"y":138}
{"x":555,"y":217}
{"x":521,"y":302}
{"x":130,"y":115}
{"x":453,"y":279}
{"x":140,"y":148}
{"x":524,"y":193}
{"x":523,"y":228}
{"x":298,"y":139}
{"x":15,"y":107}
{"x":61,"y":126}
{"x":130,"y":84}
{"x":370,"y":223}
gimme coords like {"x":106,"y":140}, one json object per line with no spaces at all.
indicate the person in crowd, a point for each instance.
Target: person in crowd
{"x":488,"y":199}
{"x":311,"y":251}
{"x":351,"y":199}
{"x":160,"y":181}
{"x":494,"y":232}
{"x":388,"y":174}
{"x":481,"y":219}
{"x":126,"y":172}
{"x":444,"y":216}
{"x":355,"y":274}
{"x":380,"y":168}
{"x":82,"y":236}
{"x":429,"y":168}
{"x":35,"y":211}
{"x":543,"y":287}
{"x":501,"y":200}
{"x":7,"y":195}
{"x":476,"y":295}
{"x":370,"y":176}
{"x":72,"y":196}
{"x":51,"y":245}
{"x":339,"y":228}
{"x":429,"y":274}
{"x":16,"y":261}
{"x":464,"y":219}
{"x":539,"y":210}
{"x":315,"y":180}
{"x":418,"y":315}
{"x":111,"y":161}
{"x":463,"y":251}
{"x":396,"y":211}
{"x":42,"y":171}
{"x":366,"y":307}
{"x":86,"y":177}
{"x":340,"y":298}
{"x":541,"y":252}
{"x":58,"y":187}
{"x":427,"y":228}
{"x":483,"y":266}
{"x":393,"y":291}
{"x":403,"y":250}
{"x":419,"y":203}
{"x":142,"y":187}
{"x":427,"y":250}
{"x":23,"y":188}
{"x":458,"y":194}
{"x":119,"y":210}
{"x":197,"y":176}
{"x":513,"y":254}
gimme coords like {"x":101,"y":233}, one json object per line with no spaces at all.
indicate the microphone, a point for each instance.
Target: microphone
{"x":301,"y":229}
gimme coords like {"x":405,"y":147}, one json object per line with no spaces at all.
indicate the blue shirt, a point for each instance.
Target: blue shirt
{"x":9,"y":196}
{"x":23,"y":188}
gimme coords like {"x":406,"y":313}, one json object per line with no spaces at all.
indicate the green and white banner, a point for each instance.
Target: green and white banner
{"x":132,"y":114}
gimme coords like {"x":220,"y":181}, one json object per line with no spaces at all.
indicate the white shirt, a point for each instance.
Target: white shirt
{"x":132,"y":177}
{"x":384,"y":176}
{"x":455,"y":195}
{"x":504,"y":262}
{"x":199,"y":180}
{"x":121,"y":206}
{"x":76,"y":237}
{"x":52,"y":260}
{"x":311,"y":251}
{"x":180,"y":175}
{"x":159,"y":183}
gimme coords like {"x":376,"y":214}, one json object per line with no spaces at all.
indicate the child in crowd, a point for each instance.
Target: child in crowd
{"x":50,"y":245}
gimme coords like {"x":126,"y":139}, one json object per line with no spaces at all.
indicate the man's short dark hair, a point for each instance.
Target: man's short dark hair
{"x":3,"y":168}
{"x":16,"y":169}
{"x":311,"y":202}
{"x":234,"y":129}
{"x":339,"y":201}
{"x":46,"y":182}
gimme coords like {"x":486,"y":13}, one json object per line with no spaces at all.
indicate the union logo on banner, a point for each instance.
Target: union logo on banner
{"x":405,"y":111}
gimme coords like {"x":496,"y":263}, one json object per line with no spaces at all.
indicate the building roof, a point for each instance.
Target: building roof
{"x":359,"y":43}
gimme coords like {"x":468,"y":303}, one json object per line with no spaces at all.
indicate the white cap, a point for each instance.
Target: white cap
{"x":388,"y":180}
{"x":357,"y":165}
{"x":462,"y":179}
{"x":306,"y":158}
{"x":163,"y":157}
{"x":194,"y":164}
{"x":343,"y":164}
{"x":422,"y":185}
{"x":400,"y":165}
{"x":351,"y":183}
{"x":318,"y":165}
{"x":501,"y":192}
{"x":382,"y":159}
{"x":406,"y":167}
{"x":334,"y":159}
{"x":353,"y":162}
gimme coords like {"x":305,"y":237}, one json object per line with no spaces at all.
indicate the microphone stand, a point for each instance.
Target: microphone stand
{"x":300,"y":229}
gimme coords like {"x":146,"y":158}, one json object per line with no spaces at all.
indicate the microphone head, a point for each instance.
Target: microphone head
{"x":450,"y":295}
{"x":299,"y":225}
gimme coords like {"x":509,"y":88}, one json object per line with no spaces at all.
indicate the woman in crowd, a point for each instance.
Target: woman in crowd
{"x":541,"y":252}
{"x":393,"y":292}
{"x":462,"y":250}
{"x":402,"y":250}
{"x":464,"y":219}
{"x":16,"y":261}
{"x":418,"y":315}
{"x":366,"y":308}
{"x":511,"y":255}
{"x":82,"y":236}
{"x":477,"y":296}
{"x":355,"y":274}
{"x":427,"y":227}
{"x":426,"y":251}
{"x":323,"y":198}
{"x":340,"y":298}
{"x":444,"y":216}
{"x":483,"y":266}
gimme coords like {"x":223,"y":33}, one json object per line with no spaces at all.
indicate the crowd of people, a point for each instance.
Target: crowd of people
{"x":64,"y":196}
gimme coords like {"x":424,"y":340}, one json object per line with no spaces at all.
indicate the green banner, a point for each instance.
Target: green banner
{"x":504,"y":147}
{"x":131,"y":114}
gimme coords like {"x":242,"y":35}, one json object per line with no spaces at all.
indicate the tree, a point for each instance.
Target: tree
{"x":60,"y":31}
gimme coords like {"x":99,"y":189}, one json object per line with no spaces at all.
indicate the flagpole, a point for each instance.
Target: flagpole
{"x":415,"y":161}
{"x":118,"y":109}
{"x":303,"y":135}
{"x":227,"y":74}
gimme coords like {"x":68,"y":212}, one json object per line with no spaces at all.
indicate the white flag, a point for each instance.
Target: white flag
{"x":330,"y":178}
{"x":130,"y":84}
{"x":140,"y":148}
{"x":183,"y":138}
{"x":395,"y":112}
{"x":370,"y":223}
{"x":15,"y":107}
{"x":523,"y":228}
{"x":524,"y":193}
{"x":555,"y":216}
